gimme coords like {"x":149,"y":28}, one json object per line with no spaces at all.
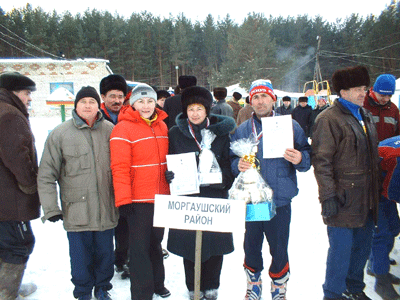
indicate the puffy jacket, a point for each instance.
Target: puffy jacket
{"x":78,"y":158}
{"x":19,"y":200}
{"x":346,"y":164}
{"x":138,"y":157}
{"x":386,"y":117}
{"x":277,"y":172}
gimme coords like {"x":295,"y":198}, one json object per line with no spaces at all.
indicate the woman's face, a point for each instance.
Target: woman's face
{"x":196,"y":113}
{"x":145,"y":107}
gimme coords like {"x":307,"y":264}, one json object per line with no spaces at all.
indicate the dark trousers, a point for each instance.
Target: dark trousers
{"x":92,"y":260}
{"x":210,"y":273}
{"x":145,"y":253}
{"x":348,"y":252}
{"x":16,"y":241}
{"x":383,"y":236}
{"x":121,"y":242}
{"x":277,"y":233}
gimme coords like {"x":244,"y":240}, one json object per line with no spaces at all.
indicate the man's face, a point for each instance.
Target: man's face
{"x":321,"y":102}
{"x":262,"y":104}
{"x":161,"y":101}
{"x":24,"y":96}
{"x":113,"y":100}
{"x":382,"y":99}
{"x":355,"y":95}
{"x":303,"y":104}
{"x":87,"y":108}
{"x":286,"y":103}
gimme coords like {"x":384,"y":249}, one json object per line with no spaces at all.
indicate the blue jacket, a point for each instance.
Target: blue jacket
{"x":277,"y":172}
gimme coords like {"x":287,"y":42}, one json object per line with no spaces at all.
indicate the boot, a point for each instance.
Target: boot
{"x":355,"y":296}
{"x":10,"y":280}
{"x":384,"y":288}
{"x":254,"y":285}
{"x":278,"y":291}
{"x":211,"y":294}
{"x":26,"y":289}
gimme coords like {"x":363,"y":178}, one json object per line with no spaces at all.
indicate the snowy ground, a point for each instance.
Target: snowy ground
{"x":49,"y":265}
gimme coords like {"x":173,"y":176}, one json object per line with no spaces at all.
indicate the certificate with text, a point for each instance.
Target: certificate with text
{"x":277,"y":135}
{"x":186,"y":179}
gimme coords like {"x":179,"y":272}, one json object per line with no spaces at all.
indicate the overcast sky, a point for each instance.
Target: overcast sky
{"x":198,"y":10}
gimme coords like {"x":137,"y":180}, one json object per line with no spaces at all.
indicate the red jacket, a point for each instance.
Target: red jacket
{"x":386,"y":117}
{"x":138,"y":157}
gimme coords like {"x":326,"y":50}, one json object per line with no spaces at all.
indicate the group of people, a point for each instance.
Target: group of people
{"x":109,"y":162}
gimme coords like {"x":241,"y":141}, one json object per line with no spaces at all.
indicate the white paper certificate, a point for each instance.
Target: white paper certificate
{"x":186,"y":180}
{"x":277,"y":135}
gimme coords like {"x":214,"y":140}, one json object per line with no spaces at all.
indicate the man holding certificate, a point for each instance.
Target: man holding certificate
{"x":207,"y":136}
{"x":280,"y":174}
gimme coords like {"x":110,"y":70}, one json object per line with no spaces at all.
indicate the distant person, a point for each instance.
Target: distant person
{"x":302,"y":114}
{"x":234,"y":103}
{"x":321,"y":106}
{"x":245,"y":113}
{"x":286,"y":107}
{"x":19,"y":199}
{"x":386,"y":118}
{"x":221,"y":107}
{"x":76,"y":156}
{"x":172,"y":105}
{"x":161,"y":96}
{"x":346,"y":167}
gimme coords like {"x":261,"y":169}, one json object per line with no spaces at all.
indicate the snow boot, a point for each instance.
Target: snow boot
{"x":278,"y":291}
{"x":384,"y":288}
{"x":355,"y":296}
{"x":165,"y":253}
{"x":85,"y":297}
{"x":191,"y":295}
{"x":26,"y":289}
{"x":211,"y":294}
{"x":102,"y":294}
{"x":254,"y":285}
{"x":10,"y":280}
{"x":163,"y":292}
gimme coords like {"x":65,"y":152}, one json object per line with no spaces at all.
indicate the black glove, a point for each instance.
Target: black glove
{"x":169,"y":175}
{"x":55,"y":218}
{"x":330,"y":207}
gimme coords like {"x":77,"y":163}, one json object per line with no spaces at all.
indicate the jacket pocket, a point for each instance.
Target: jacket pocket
{"x":77,"y":160}
{"x":76,"y":207}
{"x":353,"y":195}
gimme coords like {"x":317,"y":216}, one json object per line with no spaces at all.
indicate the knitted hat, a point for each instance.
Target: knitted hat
{"x":196,"y":95}
{"x":237,"y":96}
{"x":220,"y":93}
{"x":385,"y":84}
{"x":345,"y":79}
{"x":87,"y":91}
{"x":113,"y":82}
{"x":140,"y":91}
{"x":186,"y":81}
{"x":14,"y":81}
{"x":261,"y":86}
{"x":163,"y":94}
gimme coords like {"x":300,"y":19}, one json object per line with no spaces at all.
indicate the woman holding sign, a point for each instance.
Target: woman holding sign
{"x":188,"y":135}
{"x":139,"y":145}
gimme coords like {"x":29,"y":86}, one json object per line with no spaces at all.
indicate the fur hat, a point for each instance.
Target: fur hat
{"x":385,"y":84}
{"x":220,"y":93}
{"x":186,"y":81}
{"x":196,"y":95}
{"x":345,"y":79}
{"x":303,"y":99}
{"x":14,"y":81}
{"x":163,"y":94}
{"x":113,"y":82}
{"x":286,"y":98}
{"x":87,"y":91}
{"x":140,"y":91}
{"x":261,"y":86}
{"x":237,"y":96}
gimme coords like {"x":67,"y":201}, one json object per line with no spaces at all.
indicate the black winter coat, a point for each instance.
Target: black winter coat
{"x":172,"y":107}
{"x":182,"y":242}
{"x":302,"y":116}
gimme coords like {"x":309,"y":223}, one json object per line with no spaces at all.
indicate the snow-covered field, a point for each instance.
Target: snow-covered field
{"x":49,"y":265}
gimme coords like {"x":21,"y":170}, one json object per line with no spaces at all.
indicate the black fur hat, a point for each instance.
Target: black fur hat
{"x":196,"y":95}
{"x":14,"y":81}
{"x":163,"y":94}
{"x":186,"y":81}
{"x":345,"y":79}
{"x":237,"y":96}
{"x":220,"y":93}
{"x":113,"y":82}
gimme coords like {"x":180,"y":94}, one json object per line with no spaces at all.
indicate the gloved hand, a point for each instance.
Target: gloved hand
{"x":330,"y":207}
{"x":169,"y":175}
{"x":55,"y":218}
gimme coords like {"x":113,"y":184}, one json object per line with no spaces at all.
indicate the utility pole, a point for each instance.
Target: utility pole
{"x":317,"y":69}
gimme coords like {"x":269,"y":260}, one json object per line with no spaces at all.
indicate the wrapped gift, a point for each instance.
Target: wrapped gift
{"x":209,"y":170}
{"x":249,"y":186}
